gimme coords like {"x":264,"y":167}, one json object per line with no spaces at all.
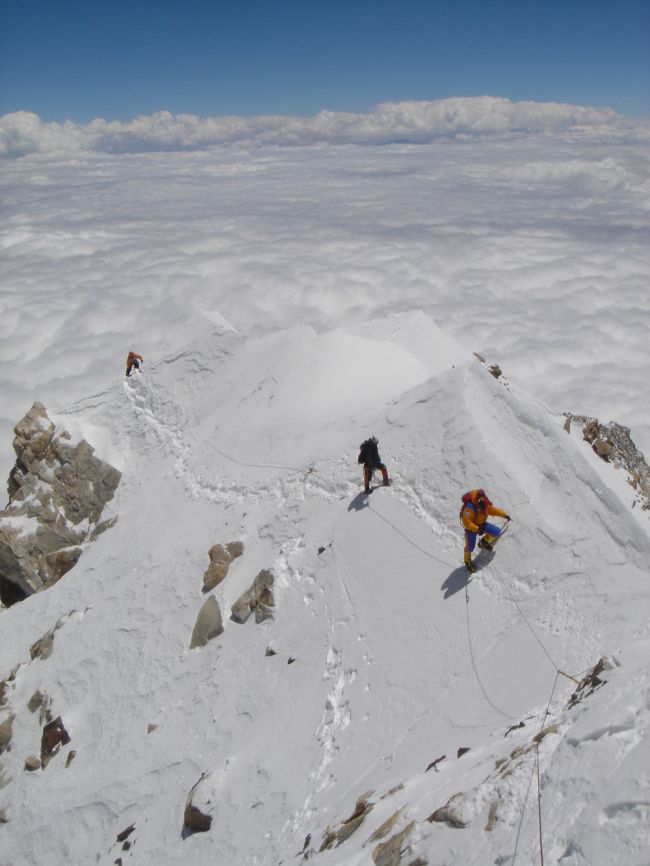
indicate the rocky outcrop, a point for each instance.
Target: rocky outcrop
{"x":220,"y":558}
{"x":42,"y":648}
{"x":333,"y":837}
{"x":613,"y":443}
{"x":57,"y":492}
{"x":258,"y":598}
{"x":209,"y":623}
{"x":391,"y":853}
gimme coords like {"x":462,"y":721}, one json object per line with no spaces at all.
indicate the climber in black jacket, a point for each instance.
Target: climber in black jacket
{"x":369,"y":457}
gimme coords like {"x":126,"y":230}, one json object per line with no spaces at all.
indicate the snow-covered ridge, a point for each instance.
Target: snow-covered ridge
{"x":385,"y":692}
{"x":409,"y":122}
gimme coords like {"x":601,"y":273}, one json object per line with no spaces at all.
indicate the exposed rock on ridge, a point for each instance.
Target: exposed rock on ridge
{"x":57,"y":492}
{"x":614,"y":444}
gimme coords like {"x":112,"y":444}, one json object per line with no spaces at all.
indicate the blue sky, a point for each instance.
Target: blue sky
{"x":79,"y":60}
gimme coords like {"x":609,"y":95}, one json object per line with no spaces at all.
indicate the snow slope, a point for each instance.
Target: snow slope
{"x":386,"y":657}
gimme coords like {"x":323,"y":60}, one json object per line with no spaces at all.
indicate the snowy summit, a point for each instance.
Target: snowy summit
{"x":256,"y":663}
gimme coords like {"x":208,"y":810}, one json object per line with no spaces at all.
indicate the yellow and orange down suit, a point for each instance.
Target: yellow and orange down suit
{"x":473,"y":515}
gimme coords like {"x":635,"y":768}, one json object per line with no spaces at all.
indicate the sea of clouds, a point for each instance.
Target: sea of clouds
{"x":520,"y":228}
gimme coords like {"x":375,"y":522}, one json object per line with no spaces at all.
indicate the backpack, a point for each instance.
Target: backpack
{"x":366,"y":452}
{"x":467,"y":500}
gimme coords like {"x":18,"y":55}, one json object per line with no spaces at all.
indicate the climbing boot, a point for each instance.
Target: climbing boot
{"x":485,"y":543}
{"x":469,"y":565}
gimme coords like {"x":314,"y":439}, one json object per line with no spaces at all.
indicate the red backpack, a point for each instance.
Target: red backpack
{"x":467,"y":499}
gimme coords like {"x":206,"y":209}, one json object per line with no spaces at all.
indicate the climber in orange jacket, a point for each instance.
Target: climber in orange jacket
{"x":133,"y":361}
{"x":475,"y":510}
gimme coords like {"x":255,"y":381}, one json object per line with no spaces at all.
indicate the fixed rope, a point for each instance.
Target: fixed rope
{"x":410,"y":540}
{"x":534,"y":633}
{"x":475,"y":668}
{"x":536,"y":771}
{"x":306,"y":471}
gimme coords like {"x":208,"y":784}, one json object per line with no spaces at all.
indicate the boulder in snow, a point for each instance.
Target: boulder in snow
{"x":220,"y":558}
{"x":54,"y":736}
{"x":195,"y":819}
{"x":258,"y":597}
{"x":208,"y":624}
{"x":451,"y":813}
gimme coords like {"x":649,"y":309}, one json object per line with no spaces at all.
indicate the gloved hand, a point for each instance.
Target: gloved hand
{"x":507,"y":517}
{"x":481,"y":530}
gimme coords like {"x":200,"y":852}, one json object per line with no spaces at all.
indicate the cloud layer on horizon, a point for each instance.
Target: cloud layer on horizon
{"x":530,"y":250}
{"x":412,"y":122}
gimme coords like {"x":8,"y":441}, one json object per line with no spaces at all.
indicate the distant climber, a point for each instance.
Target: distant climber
{"x":475,"y":510}
{"x":133,"y":361}
{"x":369,"y":457}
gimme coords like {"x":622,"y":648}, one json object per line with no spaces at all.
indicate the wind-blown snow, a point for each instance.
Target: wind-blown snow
{"x":396,"y":660}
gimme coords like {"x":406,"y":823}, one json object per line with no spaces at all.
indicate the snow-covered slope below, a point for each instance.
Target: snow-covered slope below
{"x":381,"y":657}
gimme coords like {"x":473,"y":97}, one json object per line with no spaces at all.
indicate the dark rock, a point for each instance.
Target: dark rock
{"x":125,"y":833}
{"x":71,"y":756}
{"x":589,"y":683}
{"x":461,"y":751}
{"x":32,"y":763}
{"x":54,"y":736}
{"x":35,"y":701}
{"x":434,"y":764}
{"x":194,"y":820}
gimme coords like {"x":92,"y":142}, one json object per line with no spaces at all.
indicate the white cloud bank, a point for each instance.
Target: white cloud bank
{"x":414,"y":122}
{"x":530,"y":249}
